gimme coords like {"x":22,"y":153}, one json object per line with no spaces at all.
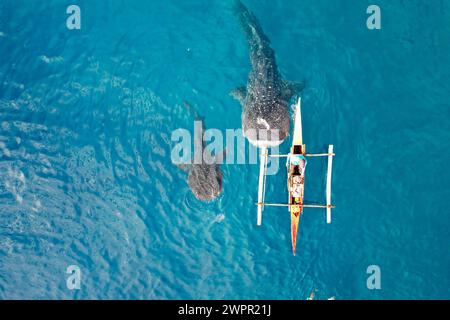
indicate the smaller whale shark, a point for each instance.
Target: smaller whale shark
{"x":204,"y":176}
{"x":265,"y":116}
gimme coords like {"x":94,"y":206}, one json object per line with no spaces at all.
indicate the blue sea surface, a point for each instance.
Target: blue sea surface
{"x":86,"y":176}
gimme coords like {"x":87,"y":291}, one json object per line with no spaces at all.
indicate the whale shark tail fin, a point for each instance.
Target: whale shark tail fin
{"x":194,"y":113}
{"x":249,"y":23}
{"x":291,"y":88}
{"x":199,"y":129}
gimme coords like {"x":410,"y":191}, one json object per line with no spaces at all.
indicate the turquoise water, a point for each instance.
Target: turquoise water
{"x":86,"y":179}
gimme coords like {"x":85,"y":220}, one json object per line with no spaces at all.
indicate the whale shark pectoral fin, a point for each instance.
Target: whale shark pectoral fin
{"x":291,"y":88}
{"x":239,"y":94}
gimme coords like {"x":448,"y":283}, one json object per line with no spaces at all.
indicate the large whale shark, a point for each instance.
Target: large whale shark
{"x":204,"y":173}
{"x":265,"y":116}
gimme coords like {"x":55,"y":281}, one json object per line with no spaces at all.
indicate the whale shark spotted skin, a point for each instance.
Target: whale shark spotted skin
{"x":205,"y":181}
{"x":204,"y":174}
{"x":265,"y":116}
{"x":205,"y":178}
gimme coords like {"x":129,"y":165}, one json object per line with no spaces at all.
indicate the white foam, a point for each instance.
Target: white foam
{"x":4,"y":149}
{"x":50,"y":60}
{"x":37,"y":205}
{"x":219,"y":218}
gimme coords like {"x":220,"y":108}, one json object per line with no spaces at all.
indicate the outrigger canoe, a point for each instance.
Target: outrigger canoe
{"x":296,"y":166}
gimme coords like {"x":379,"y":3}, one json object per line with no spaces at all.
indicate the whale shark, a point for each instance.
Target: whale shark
{"x":265,"y":115}
{"x":204,"y":173}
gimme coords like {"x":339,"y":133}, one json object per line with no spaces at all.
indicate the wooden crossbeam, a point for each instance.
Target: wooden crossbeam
{"x":323,"y":206}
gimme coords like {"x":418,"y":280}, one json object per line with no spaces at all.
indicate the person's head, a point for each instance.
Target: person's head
{"x":302,"y":163}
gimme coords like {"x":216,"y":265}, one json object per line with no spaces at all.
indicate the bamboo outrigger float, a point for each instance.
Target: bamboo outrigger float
{"x":296,"y":166}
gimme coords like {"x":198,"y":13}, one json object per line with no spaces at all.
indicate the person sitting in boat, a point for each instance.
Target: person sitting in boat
{"x":297,"y":163}
{"x":297,"y":169}
{"x":297,"y":186}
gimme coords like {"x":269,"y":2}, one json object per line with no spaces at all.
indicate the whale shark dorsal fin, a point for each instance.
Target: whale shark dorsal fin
{"x":292,"y":88}
{"x":239,"y":94}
